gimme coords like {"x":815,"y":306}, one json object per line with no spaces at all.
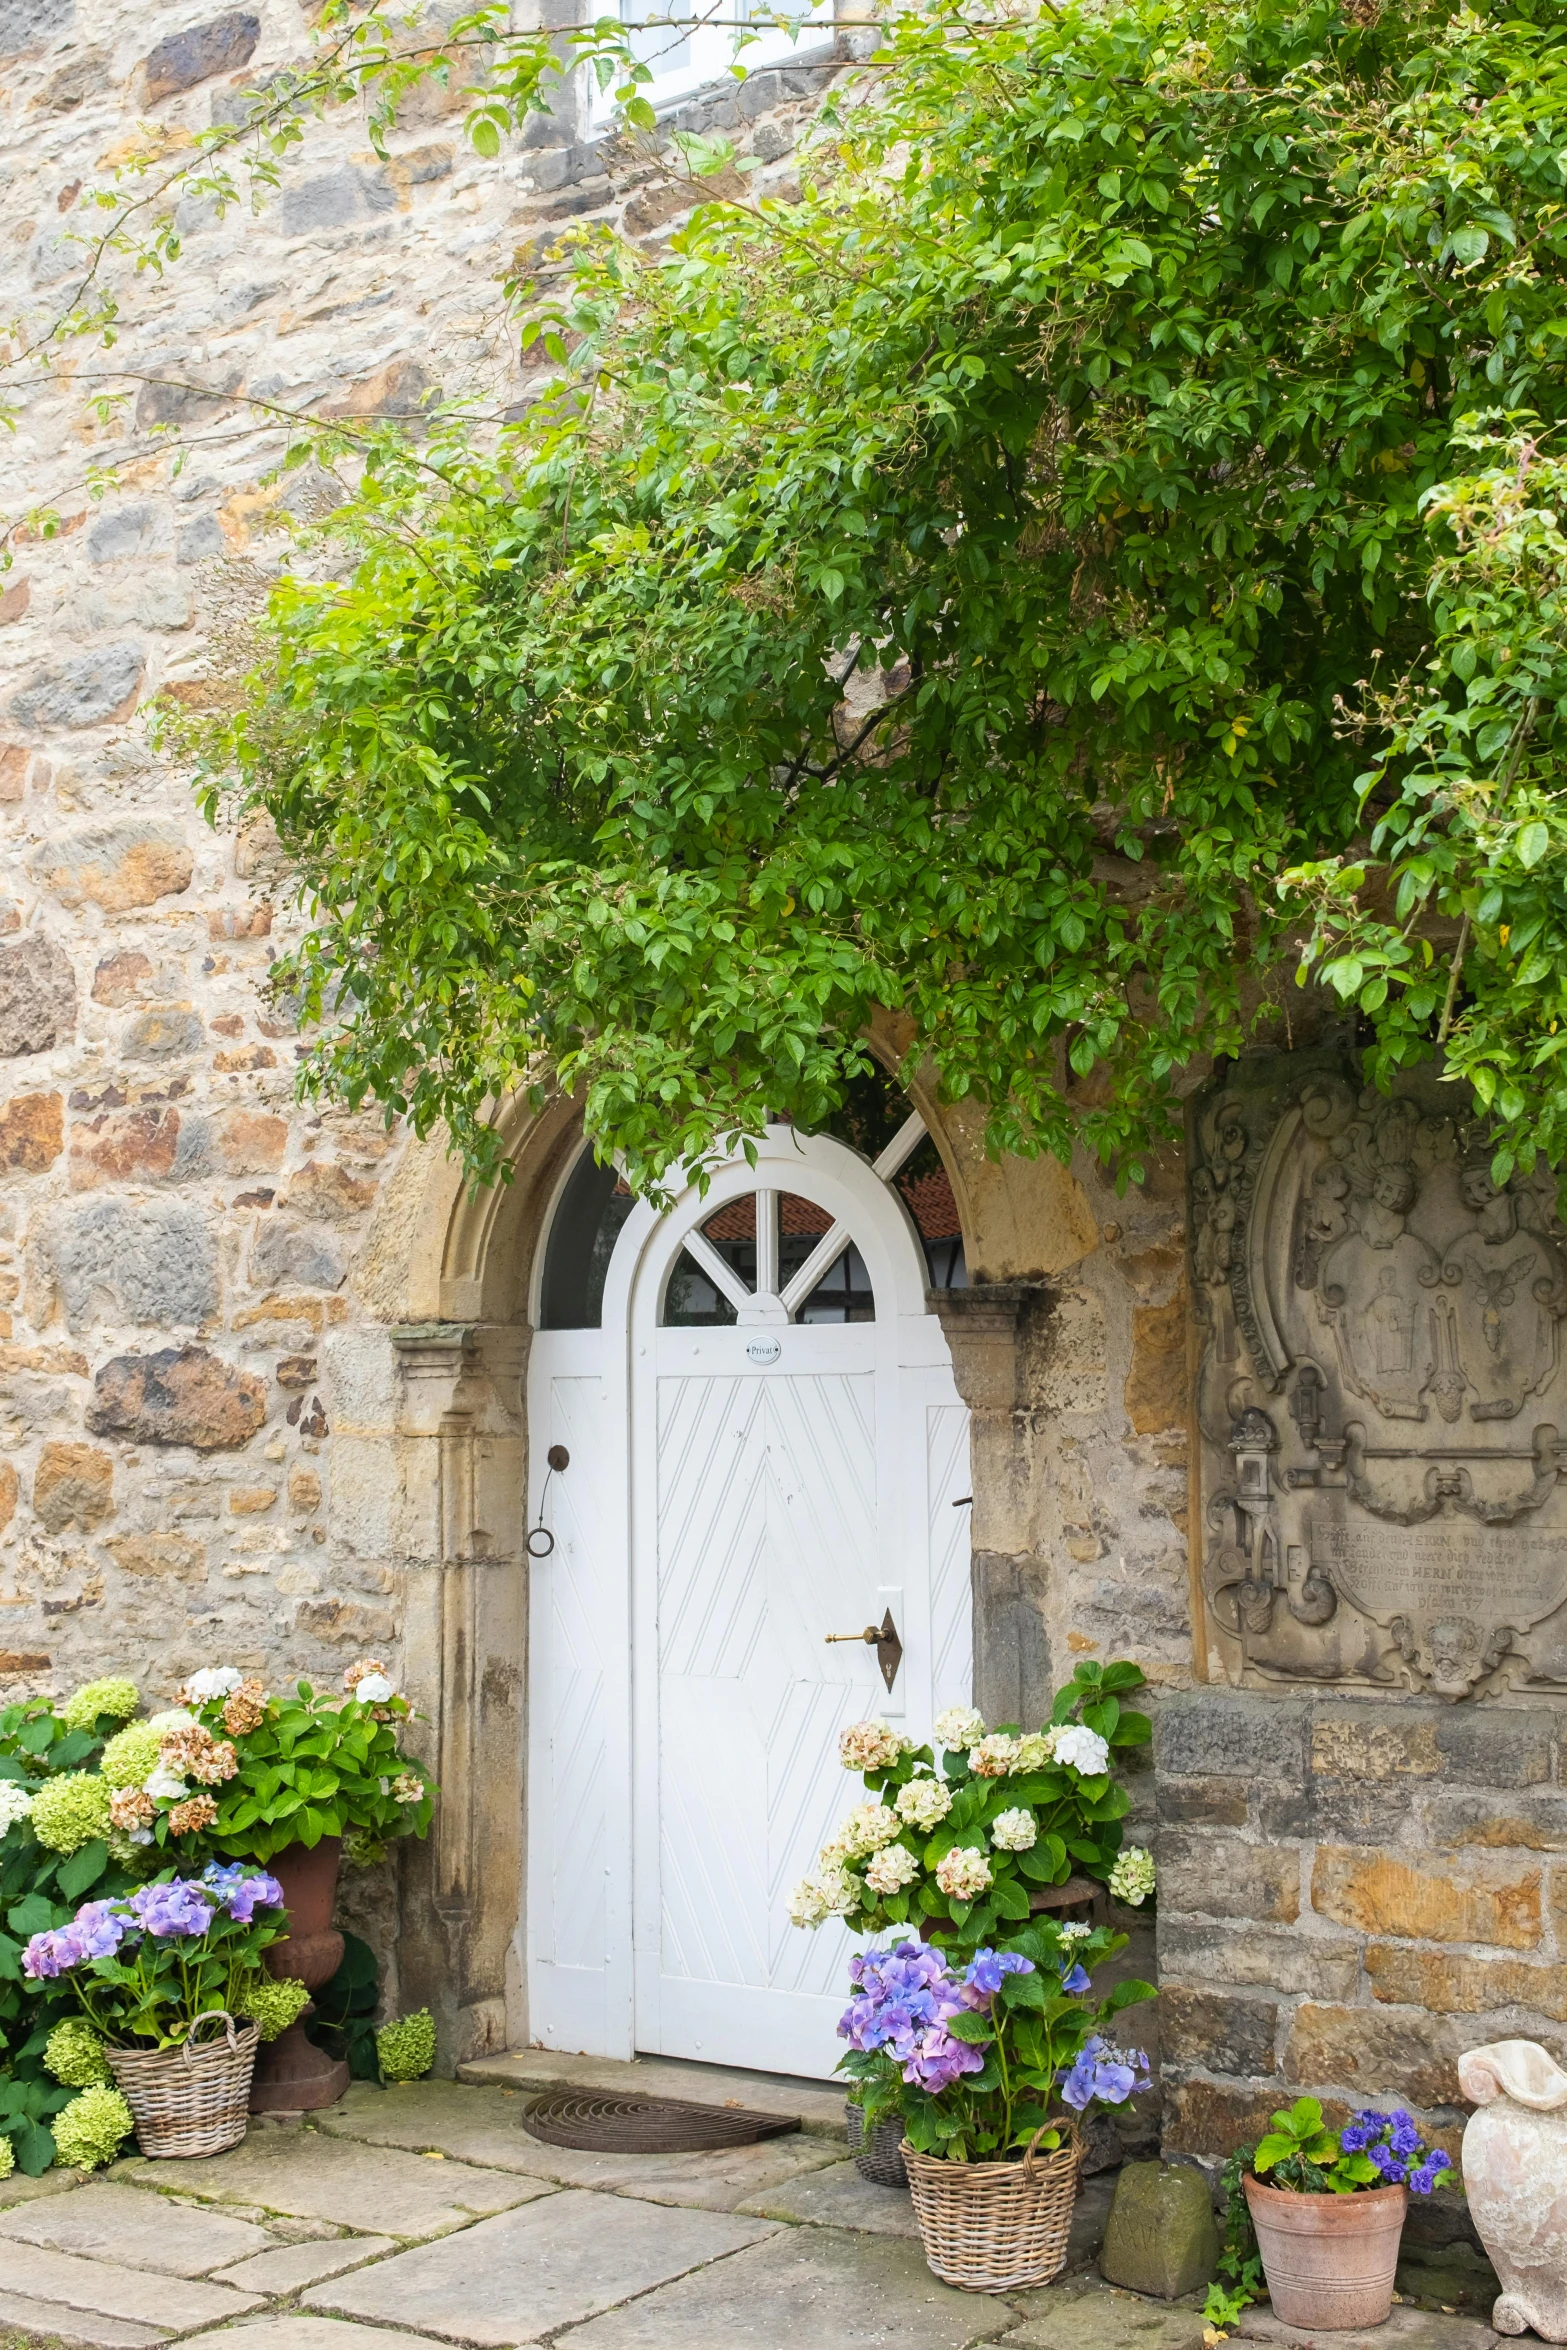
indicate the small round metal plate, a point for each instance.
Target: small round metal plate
{"x":605,"y":2121}
{"x":764,"y":1350}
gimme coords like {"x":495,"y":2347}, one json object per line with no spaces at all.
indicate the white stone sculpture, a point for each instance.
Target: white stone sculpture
{"x":1515,"y":2176}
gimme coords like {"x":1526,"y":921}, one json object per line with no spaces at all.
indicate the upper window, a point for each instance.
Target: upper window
{"x":688,"y":44}
{"x":583,"y":1232}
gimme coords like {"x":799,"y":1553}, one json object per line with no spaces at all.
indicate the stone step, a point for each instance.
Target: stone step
{"x":818,"y":2104}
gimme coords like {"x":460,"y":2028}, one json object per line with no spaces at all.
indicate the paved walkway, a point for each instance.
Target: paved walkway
{"x":420,"y":2217}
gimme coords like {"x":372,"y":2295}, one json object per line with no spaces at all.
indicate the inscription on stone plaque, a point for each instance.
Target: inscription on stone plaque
{"x":1382,"y":1402}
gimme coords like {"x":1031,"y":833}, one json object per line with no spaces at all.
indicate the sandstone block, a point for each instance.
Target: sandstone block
{"x":1445,"y":1897}
{"x":126,"y":1146}
{"x":1205,"y":2117}
{"x":1212,"y":1733}
{"x":1338,"y":1811}
{"x":187,"y":403}
{"x":1219,"y":1876}
{"x":328,"y":1191}
{"x":118,"y":1262}
{"x":248,"y":1501}
{"x":402,"y":388}
{"x":170,"y":1558}
{"x":155,"y":599}
{"x":32,"y":1132}
{"x":1161,"y":2238}
{"x":248,"y":1142}
{"x":14,"y":601}
{"x":16,"y":1661}
{"x":1451,"y":1982}
{"x":334,"y":200}
{"x":37,"y":997}
{"x":180,"y":1395}
{"x":116,"y":866}
{"x":1202,"y":1803}
{"x":84,"y":691}
{"x":1362,"y":1745}
{"x":1156,"y":1390}
{"x":223,"y":45}
{"x":120,"y":978}
{"x":1372,"y":2052}
{"x":163,"y":1035}
{"x":296,"y":1255}
{"x":13,"y":774}
{"x":240,"y":922}
{"x":10,"y":1488}
{"x":304,"y":1489}
{"x":137,"y":533}
{"x":73,"y":1485}
{"x":1536,"y":1819}
{"x":297,"y":1371}
{"x":239,"y":1058}
{"x":1217,"y":2030}
{"x":200,"y":541}
{"x":1277,"y":1959}
{"x":1496,"y":1748}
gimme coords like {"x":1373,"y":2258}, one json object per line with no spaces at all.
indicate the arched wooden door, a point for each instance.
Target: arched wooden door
{"x":768,"y":1450}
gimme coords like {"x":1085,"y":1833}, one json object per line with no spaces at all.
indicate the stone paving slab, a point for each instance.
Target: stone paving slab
{"x":806,"y":2289}
{"x":838,"y":2198}
{"x":320,"y":2177}
{"x":1088,"y":2315}
{"x":172,"y":2304}
{"x":84,"y":2327}
{"x":297,"y":2330}
{"x":291,"y":2267}
{"x":515,"y":2278}
{"x":141,"y":2229}
{"x":1404,"y":2329}
{"x":485,"y":2126}
{"x":19,"y":2188}
{"x":819,"y":2104}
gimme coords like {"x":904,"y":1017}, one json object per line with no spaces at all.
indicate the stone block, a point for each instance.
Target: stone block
{"x":1494,"y":1746}
{"x":1535,"y":1820}
{"x":116,"y":866}
{"x":239,"y":1058}
{"x":84,"y":691}
{"x":297,"y":1372}
{"x":1213,"y":1733}
{"x":187,"y":403}
{"x":1453,"y":1982}
{"x":73,"y":1486}
{"x":240,"y":922}
{"x":1202,"y":1803}
{"x":334,"y":200}
{"x":248,"y":1142}
{"x":120,"y":978}
{"x":1359,"y":1811}
{"x":1219,"y":1876}
{"x":181,"y":1395}
{"x":27,"y":24}
{"x":1361,"y":1744}
{"x":200,"y":541}
{"x":287,"y":1255}
{"x":304,"y":1489}
{"x":1157,"y":1389}
{"x":137,"y":533}
{"x":1444,"y":1897}
{"x":326,"y":1190}
{"x":125,"y":1146}
{"x":14,"y":758}
{"x":1161,"y":2238}
{"x":115,"y":1262}
{"x":248,"y":1501}
{"x":402,"y":388}
{"x":1372,"y":2052}
{"x":10,"y":1491}
{"x":1073,"y":1367}
{"x":1219,"y":2031}
{"x":224,"y":44}
{"x":32,"y":1132}
{"x":164,"y":1035}
{"x":37,"y":997}
{"x":1212,"y":2118}
{"x":169,"y":1558}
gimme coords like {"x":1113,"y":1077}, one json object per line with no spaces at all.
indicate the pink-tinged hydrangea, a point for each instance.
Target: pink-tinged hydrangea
{"x":870,"y":1746}
{"x":924,"y":1803}
{"x":1081,"y":1749}
{"x":184,"y":1907}
{"x":963,"y":1873}
{"x":1014,"y":1831}
{"x":891,"y":1869}
{"x":868,"y":1827}
{"x":958,"y":1728}
{"x":994,"y":1757}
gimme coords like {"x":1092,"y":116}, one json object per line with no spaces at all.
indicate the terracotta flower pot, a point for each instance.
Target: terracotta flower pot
{"x":293,"y":2075}
{"x":1329,"y":2259}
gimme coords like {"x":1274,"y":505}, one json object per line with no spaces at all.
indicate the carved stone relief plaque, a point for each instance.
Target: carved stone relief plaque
{"x":1381,"y":1399}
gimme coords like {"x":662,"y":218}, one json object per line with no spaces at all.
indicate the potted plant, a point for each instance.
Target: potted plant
{"x":150,"y":1970}
{"x":973,"y":2056}
{"x":967,"y":1852}
{"x":1328,"y":2208}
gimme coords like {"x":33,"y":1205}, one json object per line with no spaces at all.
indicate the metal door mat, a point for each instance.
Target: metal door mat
{"x":599,"y":2121}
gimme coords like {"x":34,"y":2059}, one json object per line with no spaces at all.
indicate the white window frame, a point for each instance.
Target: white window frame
{"x":713,"y":47}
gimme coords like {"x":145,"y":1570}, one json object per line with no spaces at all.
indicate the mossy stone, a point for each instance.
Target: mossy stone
{"x":1161,"y":2237}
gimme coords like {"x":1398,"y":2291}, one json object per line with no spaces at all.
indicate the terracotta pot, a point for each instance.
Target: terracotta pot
{"x":292,"y":2074}
{"x":1515,"y":2177}
{"x":1070,"y":1902}
{"x":1329,"y":2259}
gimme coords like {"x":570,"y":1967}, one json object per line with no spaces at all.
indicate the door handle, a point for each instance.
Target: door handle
{"x":883,"y":1638}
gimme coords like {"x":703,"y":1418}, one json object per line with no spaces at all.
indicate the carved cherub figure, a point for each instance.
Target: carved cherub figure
{"x":1392,"y":1196}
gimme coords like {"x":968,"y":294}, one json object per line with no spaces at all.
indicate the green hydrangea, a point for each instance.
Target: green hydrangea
{"x":74,"y":2054}
{"x":91,"y":2129}
{"x":85,"y":1708}
{"x":271,"y":2004}
{"x":70,"y":1811}
{"x":130,"y":1754}
{"x":407,"y":2048}
{"x":7,"y":2158}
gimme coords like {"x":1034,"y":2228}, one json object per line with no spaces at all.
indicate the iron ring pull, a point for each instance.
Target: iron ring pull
{"x":539,"y":1541}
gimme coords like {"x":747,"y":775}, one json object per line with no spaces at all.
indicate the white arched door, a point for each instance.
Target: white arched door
{"x":767,"y":1450}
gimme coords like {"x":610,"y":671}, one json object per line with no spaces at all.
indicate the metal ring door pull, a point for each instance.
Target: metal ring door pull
{"x":539,"y":1540}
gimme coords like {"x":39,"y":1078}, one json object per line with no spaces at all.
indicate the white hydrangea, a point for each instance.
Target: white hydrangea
{"x":15,"y":1804}
{"x":166,"y":1785}
{"x":1082,"y":1750}
{"x":994,"y":1757}
{"x":891,"y":1869}
{"x":176,"y":1718}
{"x":1075,"y":1932}
{"x":868,"y":1827}
{"x":840,"y":1891}
{"x":960,"y":1726}
{"x":374,"y":1689}
{"x":924,"y":1803}
{"x":963,"y":1873}
{"x":1034,"y":1750}
{"x":1014,"y":1831}
{"x":1132,"y":1878}
{"x":806,"y":1904}
{"x":213,"y":1681}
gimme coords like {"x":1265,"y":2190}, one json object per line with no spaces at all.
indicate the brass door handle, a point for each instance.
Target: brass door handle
{"x":884,"y":1639}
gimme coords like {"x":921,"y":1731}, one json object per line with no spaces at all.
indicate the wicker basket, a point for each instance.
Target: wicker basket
{"x":994,"y":2227}
{"x":189,"y":2100}
{"x":879,"y":2157}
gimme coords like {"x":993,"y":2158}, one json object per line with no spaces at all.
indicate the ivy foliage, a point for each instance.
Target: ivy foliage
{"x":994,"y":587}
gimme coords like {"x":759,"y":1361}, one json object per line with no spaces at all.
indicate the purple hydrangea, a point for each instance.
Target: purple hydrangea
{"x":96,"y":1931}
{"x":184,"y":1907}
{"x":904,"y":2000}
{"x":1075,"y":1980}
{"x":49,"y":1954}
{"x":1100,"y":2071}
{"x":986,"y":1969}
{"x":242,"y":1891}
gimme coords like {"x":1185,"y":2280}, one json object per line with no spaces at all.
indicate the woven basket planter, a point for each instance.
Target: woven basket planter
{"x":879,"y":2157}
{"x":994,"y":2227}
{"x":189,"y":2100}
